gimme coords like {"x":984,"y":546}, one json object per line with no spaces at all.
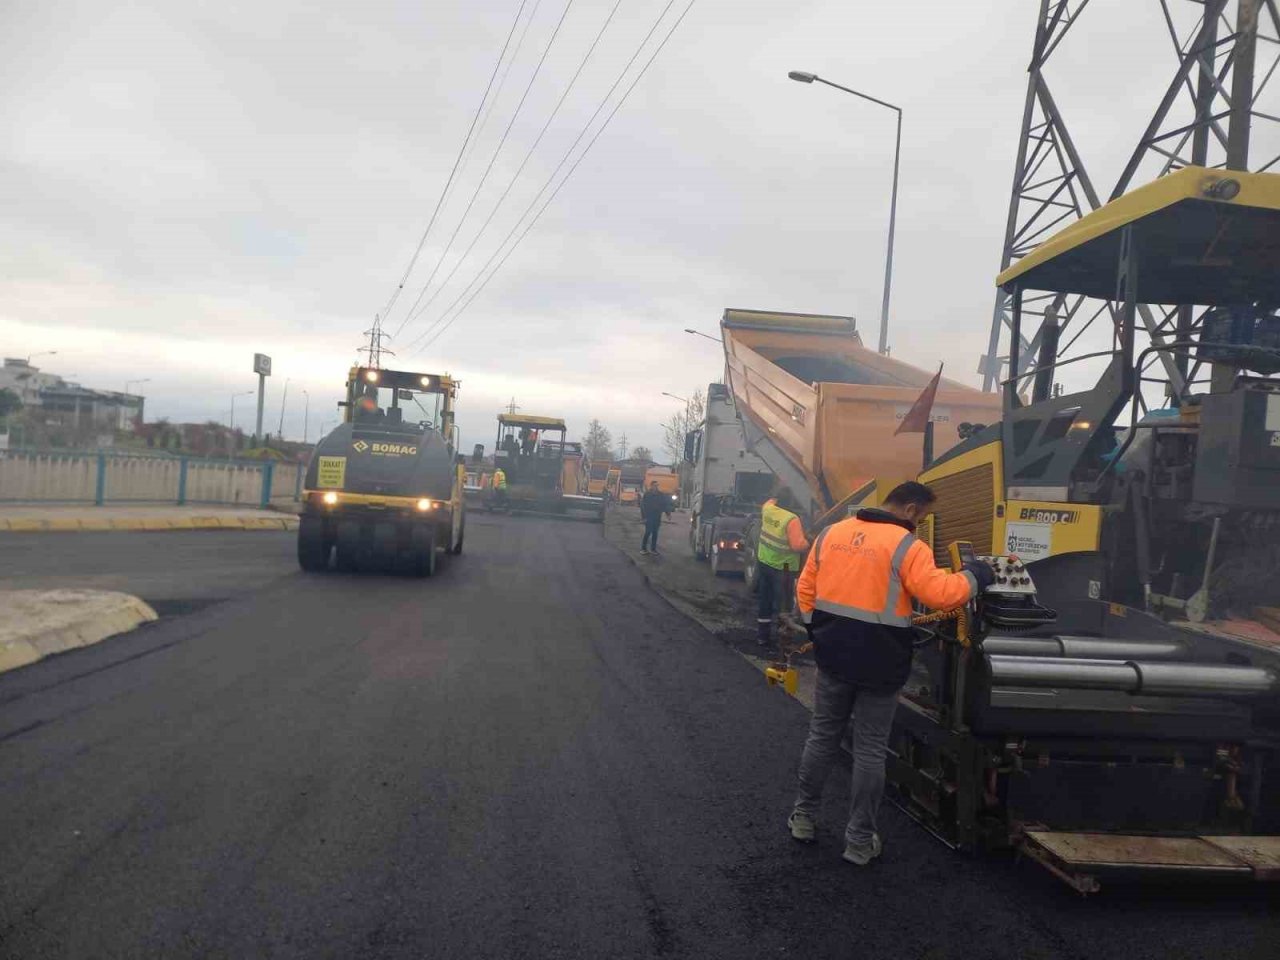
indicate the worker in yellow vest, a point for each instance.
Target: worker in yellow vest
{"x":499,"y":487}
{"x":779,"y":556}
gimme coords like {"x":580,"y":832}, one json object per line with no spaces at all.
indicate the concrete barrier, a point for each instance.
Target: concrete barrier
{"x":37,"y":623}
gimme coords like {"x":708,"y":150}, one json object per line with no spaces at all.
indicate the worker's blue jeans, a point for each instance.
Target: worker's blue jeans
{"x":652,"y":525}
{"x":833,"y":702}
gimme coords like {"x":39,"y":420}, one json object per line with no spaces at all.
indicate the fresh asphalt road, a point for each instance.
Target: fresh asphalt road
{"x":530,"y":755}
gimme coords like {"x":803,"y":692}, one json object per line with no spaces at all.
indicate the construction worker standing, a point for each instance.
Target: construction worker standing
{"x":779,"y":555}
{"x":855,"y":597}
{"x":500,"y":487}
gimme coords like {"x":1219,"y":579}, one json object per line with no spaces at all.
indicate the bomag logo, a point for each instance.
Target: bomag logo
{"x":1049,"y":516}
{"x":359,"y":446}
{"x":394,"y":449}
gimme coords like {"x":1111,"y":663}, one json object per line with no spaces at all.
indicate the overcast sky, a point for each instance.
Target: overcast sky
{"x":186,"y":183}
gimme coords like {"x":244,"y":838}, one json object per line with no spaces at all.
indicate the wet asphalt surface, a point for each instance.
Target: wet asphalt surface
{"x":530,"y":755}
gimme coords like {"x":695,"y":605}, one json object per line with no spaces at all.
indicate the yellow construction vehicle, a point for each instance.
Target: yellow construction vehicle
{"x":386,"y":485}
{"x":1134,"y":728}
{"x":543,"y":470}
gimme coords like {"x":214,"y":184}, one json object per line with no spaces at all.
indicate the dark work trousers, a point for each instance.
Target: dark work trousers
{"x":651,"y":527}
{"x":775,"y":590}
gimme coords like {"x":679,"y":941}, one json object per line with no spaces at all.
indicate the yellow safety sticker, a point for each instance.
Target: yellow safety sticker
{"x":331,"y":472}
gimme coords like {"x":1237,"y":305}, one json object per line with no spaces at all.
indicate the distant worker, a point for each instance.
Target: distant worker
{"x":855,"y":597}
{"x":500,"y":487}
{"x":654,"y":505}
{"x":528,"y":441}
{"x":778,"y":558}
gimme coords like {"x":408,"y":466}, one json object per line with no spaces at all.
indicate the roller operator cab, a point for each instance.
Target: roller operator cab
{"x":385,"y":487}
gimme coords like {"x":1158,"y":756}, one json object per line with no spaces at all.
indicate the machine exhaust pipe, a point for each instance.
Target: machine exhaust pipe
{"x":1219,"y":681}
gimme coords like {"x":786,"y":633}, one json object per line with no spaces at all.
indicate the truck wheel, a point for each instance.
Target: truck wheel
{"x":313,"y":549}
{"x":424,"y":551}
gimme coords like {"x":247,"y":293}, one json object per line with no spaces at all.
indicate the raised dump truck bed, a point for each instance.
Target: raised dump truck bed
{"x":821,"y":410}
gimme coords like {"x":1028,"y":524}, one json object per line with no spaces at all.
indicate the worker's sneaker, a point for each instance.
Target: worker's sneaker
{"x":801,"y":826}
{"x":862,"y":856}
{"x":644,"y":549}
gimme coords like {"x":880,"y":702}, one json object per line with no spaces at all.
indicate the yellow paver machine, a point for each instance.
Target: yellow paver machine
{"x":1112,"y":704}
{"x":545,"y":473}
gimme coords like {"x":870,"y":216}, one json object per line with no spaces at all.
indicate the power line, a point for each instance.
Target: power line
{"x":386,"y":311}
{"x":554,"y":173}
{"x":441,"y":329}
{"x":492,"y":160}
{"x":497,"y":206}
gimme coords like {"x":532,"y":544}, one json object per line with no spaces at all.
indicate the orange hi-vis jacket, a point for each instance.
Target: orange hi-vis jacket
{"x":856,"y":592}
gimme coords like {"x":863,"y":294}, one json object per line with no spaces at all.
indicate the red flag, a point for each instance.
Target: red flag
{"x":917,"y":417}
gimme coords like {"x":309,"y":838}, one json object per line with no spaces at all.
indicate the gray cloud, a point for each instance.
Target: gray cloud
{"x":186,"y":183}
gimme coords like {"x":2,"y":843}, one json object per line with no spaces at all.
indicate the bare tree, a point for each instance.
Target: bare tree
{"x":642,"y":453}
{"x":598,"y":443}
{"x":680,"y":423}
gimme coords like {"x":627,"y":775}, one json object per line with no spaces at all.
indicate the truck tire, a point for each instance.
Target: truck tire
{"x":313,"y":549}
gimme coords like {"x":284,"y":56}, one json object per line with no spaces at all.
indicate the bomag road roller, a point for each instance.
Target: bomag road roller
{"x":385,"y":488}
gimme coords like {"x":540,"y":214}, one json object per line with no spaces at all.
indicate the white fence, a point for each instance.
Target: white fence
{"x":116,"y":478}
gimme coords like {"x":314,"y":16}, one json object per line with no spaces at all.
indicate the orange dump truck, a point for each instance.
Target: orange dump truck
{"x":821,"y":410}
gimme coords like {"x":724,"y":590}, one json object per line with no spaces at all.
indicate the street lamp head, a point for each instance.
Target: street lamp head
{"x":802,"y":77}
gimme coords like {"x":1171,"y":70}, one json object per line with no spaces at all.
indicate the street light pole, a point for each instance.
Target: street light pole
{"x":803,"y":77}
{"x":283,"y":401}
{"x":40,"y":353}
{"x":231,"y":437}
{"x":704,"y":336}
{"x":306,"y":415}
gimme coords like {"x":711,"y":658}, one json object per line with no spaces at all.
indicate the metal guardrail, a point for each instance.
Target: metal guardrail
{"x":30,"y":476}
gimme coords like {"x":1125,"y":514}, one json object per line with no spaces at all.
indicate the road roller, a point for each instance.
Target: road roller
{"x":384,"y":489}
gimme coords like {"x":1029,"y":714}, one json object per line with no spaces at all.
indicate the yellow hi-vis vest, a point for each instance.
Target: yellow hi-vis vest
{"x":499,"y":480}
{"x":775,"y":547}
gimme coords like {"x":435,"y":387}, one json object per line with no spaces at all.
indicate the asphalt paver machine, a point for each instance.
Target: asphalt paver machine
{"x":1112,"y":705}
{"x":385,"y":487}
{"x":543,"y":470}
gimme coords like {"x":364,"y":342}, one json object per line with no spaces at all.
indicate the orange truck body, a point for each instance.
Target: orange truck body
{"x":821,"y":409}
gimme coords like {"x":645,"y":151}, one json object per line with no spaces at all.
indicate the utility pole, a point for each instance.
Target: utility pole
{"x":306,"y":415}
{"x":512,"y":407}
{"x":623,"y":445}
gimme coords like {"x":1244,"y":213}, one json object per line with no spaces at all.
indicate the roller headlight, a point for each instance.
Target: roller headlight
{"x":330,"y":498}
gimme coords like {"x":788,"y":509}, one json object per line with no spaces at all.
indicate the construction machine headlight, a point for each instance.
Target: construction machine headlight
{"x":330,"y":498}
{"x":425,"y":505}
{"x":426,"y":381}
{"x":371,"y":376}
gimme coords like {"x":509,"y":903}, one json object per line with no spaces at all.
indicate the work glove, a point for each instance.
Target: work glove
{"x":982,"y":572}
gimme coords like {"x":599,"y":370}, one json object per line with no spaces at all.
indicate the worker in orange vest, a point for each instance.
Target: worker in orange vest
{"x":855,"y":595}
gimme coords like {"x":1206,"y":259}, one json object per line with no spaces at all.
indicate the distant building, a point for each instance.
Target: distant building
{"x":53,"y":400}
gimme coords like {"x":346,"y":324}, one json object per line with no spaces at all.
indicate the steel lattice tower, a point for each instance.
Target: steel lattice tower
{"x":1224,"y":64}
